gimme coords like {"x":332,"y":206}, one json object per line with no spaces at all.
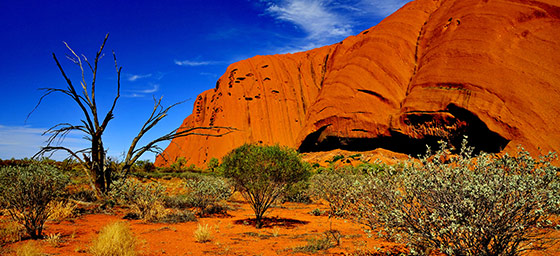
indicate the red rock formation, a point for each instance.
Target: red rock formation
{"x":435,"y":69}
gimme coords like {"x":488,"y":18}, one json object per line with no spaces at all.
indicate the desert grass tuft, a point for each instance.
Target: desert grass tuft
{"x":10,"y":232}
{"x":115,"y":239}
{"x":203,"y":233}
{"x":54,"y":239}
{"x":61,"y":210}
{"x":28,"y":249}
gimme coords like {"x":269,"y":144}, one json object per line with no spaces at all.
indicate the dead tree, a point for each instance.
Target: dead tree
{"x":93,"y":160}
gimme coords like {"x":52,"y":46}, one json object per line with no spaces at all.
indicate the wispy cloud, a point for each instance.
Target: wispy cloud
{"x":143,"y":92}
{"x":191,"y":63}
{"x":25,"y":141}
{"x":315,"y":17}
{"x":133,"y":78}
{"x":328,"y":21}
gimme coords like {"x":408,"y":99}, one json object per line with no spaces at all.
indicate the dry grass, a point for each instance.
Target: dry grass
{"x":54,"y":239}
{"x":203,"y":233}
{"x":154,"y":213}
{"x":61,"y":210}
{"x":115,"y":239}
{"x":10,"y":232}
{"x":28,"y":249}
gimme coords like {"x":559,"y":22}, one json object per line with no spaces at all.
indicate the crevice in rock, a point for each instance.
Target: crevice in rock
{"x":452,"y":130}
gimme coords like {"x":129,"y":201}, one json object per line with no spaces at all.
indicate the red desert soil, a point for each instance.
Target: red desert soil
{"x":291,"y":226}
{"x":434,"y":69}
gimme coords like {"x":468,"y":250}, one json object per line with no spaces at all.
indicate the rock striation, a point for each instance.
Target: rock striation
{"x":434,"y":70}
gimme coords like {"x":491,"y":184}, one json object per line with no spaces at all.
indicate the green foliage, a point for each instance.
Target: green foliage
{"x":335,"y":186}
{"x":179,"y":164}
{"x":145,"y":199}
{"x":27,"y":190}
{"x":213,"y":164}
{"x":461,"y":204}
{"x":298,"y":193}
{"x":335,"y":158}
{"x":144,"y":166}
{"x":262,"y":174}
{"x":206,"y":193}
{"x":178,"y":217}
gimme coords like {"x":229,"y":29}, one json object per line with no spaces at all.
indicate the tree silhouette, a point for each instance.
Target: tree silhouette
{"x":93,"y":159}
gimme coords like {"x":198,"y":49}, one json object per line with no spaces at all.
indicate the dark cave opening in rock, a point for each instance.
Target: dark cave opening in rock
{"x":479,"y":137}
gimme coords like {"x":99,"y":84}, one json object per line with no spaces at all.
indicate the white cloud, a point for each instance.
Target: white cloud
{"x":142,"y":93}
{"x":133,"y":78}
{"x":155,"y":88}
{"x":24,"y":141}
{"x":328,"y":21}
{"x":191,"y":63}
{"x":315,"y":17}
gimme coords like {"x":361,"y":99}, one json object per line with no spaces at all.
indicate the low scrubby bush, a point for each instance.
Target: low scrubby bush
{"x":144,"y":199}
{"x":298,"y":193}
{"x":335,"y":187}
{"x":26,"y":192}
{"x":460,"y":204}
{"x":206,"y":193}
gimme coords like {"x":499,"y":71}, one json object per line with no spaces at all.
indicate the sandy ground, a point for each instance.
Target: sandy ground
{"x":289,"y":226}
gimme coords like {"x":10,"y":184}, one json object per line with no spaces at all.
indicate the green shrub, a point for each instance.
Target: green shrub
{"x":262,"y":174}
{"x":213,"y":164}
{"x":298,"y":193}
{"x":206,"y":193}
{"x":179,"y":164}
{"x":461,"y":204}
{"x":178,"y":217}
{"x":145,"y":199}
{"x":27,"y":190}
{"x":335,"y":187}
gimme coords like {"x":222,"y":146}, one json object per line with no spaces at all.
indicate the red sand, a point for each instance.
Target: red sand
{"x":232,"y":235}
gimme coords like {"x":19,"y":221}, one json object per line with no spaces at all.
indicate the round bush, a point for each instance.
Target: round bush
{"x":262,"y":174}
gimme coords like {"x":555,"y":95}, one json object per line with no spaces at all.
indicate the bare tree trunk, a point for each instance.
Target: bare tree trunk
{"x":94,"y":159}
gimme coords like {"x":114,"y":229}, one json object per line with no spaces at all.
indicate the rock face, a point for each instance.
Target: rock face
{"x":433,"y":70}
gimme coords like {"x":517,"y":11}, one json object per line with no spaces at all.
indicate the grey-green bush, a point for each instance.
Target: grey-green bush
{"x":206,"y":192}
{"x":262,"y":174}
{"x":336,"y":186}
{"x":143,"y":198}
{"x":26,"y":191}
{"x":459,"y":204}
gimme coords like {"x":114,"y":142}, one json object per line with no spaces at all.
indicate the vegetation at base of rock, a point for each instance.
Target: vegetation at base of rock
{"x":115,"y":239}
{"x":459,"y":204}
{"x":263,"y":173}
{"x":335,"y":186}
{"x":206,"y":193}
{"x":26,"y":192}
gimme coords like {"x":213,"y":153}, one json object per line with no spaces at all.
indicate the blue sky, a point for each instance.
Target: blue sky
{"x":170,"y":49}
